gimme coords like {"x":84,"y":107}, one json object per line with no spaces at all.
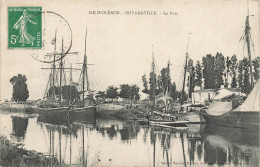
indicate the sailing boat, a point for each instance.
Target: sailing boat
{"x":70,"y":110}
{"x":157,"y":117}
{"x":192,"y":114}
{"x":246,"y":115}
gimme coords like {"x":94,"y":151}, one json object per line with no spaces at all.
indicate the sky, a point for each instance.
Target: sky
{"x":121,"y":46}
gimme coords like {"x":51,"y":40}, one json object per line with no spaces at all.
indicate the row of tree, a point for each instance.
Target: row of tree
{"x":162,"y":84}
{"x":213,"y":72}
{"x":125,"y":91}
{"x":228,"y":71}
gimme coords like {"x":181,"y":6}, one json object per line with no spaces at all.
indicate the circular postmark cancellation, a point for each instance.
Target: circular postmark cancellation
{"x":45,"y":35}
{"x":57,"y":38}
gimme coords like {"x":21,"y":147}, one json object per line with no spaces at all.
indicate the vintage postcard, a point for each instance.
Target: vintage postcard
{"x":129,"y":83}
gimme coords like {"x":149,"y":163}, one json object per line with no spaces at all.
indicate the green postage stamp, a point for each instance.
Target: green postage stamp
{"x":25,"y":27}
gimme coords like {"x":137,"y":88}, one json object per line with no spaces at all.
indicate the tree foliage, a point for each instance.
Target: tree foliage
{"x":20,"y":90}
{"x":209,"y":71}
{"x":165,"y":79}
{"x":227,"y":71}
{"x":191,"y":71}
{"x":124,"y":91}
{"x":198,"y":75}
{"x":70,"y":93}
{"x":101,"y":94}
{"x":233,"y":68}
{"x":134,"y":92}
{"x":145,"y":84}
{"x":112,"y":92}
{"x":243,"y":76}
{"x":219,"y":67}
{"x":256,"y":65}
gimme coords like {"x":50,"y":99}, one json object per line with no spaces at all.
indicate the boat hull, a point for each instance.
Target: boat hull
{"x":82,"y":115}
{"x":173,"y":123}
{"x":194,"y":117}
{"x":73,"y":112}
{"x":234,"y":119}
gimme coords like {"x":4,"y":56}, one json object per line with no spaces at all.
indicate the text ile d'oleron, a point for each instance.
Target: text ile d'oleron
{"x":108,"y":12}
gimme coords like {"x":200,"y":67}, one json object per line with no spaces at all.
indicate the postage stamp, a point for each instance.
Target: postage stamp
{"x":25,"y":27}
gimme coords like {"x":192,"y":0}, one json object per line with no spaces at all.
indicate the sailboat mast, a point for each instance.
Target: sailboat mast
{"x":70,"y":82}
{"x":84,"y":70}
{"x":61,"y":67}
{"x":185,"y":69}
{"x":54,"y":66}
{"x":247,"y":35}
{"x":153,"y":81}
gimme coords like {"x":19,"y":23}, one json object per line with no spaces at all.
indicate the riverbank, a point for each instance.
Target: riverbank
{"x":14,"y":155}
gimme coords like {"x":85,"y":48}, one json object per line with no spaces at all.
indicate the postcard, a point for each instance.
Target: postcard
{"x":129,"y":83}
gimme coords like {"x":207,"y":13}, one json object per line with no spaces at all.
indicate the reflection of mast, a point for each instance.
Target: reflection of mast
{"x":166,"y":149}
{"x":60,"y":143}
{"x":154,"y":137}
{"x":83,"y":147}
{"x":183,"y":152}
{"x":70,"y":146}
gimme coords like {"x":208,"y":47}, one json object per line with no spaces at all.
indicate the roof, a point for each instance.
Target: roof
{"x":204,"y":90}
{"x":233,"y":89}
{"x":214,"y":90}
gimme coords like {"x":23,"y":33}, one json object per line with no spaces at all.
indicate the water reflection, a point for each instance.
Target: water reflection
{"x":19,"y":127}
{"x":97,"y":141}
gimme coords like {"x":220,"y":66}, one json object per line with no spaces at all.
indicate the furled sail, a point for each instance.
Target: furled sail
{"x":252,"y":103}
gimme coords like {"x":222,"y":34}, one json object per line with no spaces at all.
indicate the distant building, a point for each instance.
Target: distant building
{"x":200,"y":96}
{"x":227,"y":92}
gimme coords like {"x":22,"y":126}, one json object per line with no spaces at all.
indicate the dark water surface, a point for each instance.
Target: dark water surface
{"x":113,"y":142}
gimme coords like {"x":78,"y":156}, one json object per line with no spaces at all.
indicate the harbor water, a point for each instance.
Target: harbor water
{"x":112,"y":142}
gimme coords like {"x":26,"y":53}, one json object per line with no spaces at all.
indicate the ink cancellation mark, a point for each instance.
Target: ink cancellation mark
{"x":25,"y":27}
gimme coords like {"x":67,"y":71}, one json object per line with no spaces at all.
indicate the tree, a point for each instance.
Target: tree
{"x":256,"y":63}
{"x":69,"y":93}
{"x":20,"y":90}
{"x":134,"y":92}
{"x":233,"y":68}
{"x":227,"y":72}
{"x":165,"y":79}
{"x":219,"y":68}
{"x":145,"y":84}
{"x":246,"y":87}
{"x":124,"y":91}
{"x":153,"y":84}
{"x":53,"y":90}
{"x":190,"y":82}
{"x":101,"y":94}
{"x":243,"y":76}
{"x":112,"y":92}
{"x":240,"y":74}
{"x":198,"y":75}
{"x":173,"y":91}
{"x":208,"y":71}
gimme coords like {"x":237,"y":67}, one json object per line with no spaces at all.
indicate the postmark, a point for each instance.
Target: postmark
{"x":56,"y":38}
{"x":25,"y":27}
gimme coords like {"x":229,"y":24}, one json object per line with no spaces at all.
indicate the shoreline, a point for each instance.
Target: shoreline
{"x":12,"y":153}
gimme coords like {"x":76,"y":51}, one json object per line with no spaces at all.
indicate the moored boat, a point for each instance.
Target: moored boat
{"x":245,"y":116}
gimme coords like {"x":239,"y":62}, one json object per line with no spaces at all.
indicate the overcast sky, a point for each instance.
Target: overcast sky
{"x":120,"y":46}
